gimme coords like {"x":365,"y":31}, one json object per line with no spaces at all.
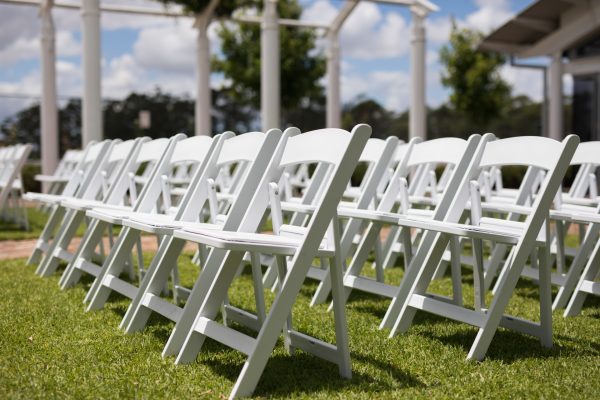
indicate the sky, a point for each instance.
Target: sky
{"x":140,"y":53}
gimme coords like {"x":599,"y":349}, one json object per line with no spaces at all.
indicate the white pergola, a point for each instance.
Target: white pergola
{"x":270,"y":66}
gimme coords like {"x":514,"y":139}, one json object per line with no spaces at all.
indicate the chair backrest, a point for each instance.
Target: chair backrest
{"x":326,"y":146}
{"x":251,"y":149}
{"x":194,"y":151}
{"x":103,"y":174}
{"x":88,"y":167}
{"x":587,"y":157}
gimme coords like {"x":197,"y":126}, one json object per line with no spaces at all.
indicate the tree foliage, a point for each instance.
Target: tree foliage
{"x":301,"y":67}
{"x":477,"y":89}
{"x":224,"y":9}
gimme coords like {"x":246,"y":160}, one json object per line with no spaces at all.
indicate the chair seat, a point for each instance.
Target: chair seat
{"x":51,"y":179}
{"x":245,"y":241}
{"x":162,"y":224}
{"x":500,"y":231}
{"x":45,"y":198}
{"x":111,"y":216}
{"x":88,"y":204}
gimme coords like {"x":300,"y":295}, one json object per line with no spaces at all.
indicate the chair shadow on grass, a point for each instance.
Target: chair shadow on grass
{"x":305,"y":373}
{"x":506,"y":346}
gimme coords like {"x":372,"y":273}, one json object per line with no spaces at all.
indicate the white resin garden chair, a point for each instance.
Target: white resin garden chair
{"x":85,"y":177}
{"x":65,"y":170}
{"x":588,"y":280}
{"x":111,"y":189}
{"x":11,"y":183}
{"x":246,"y":149}
{"x":253,"y":149}
{"x":553,"y":157}
{"x":164,"y":155}
{"x":419,"y":156}
{"x":376,"y":157}
{"x":331,"y":146}
{"x":563,"y":214}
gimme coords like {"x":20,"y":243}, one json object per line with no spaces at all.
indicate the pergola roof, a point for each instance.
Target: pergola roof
{"x":528,"y":27}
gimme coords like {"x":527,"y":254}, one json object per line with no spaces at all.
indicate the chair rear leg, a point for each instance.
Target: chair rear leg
{"x":157,"y":274}
{"x":54,"y":220}
{"x":589,"y":274}
{"x":113,"y":266}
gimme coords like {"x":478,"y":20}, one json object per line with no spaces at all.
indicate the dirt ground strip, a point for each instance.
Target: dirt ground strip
{"x":10,"y":249}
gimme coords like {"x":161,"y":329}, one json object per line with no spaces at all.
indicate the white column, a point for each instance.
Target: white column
{"x":203,"y":93}
{"x":92,"y":96}
{"x":555,"y":98}
{"x":417,"y":127}
{"x":334,"y":112}
{"x":270,"y":91}
{"x":48,"y":107}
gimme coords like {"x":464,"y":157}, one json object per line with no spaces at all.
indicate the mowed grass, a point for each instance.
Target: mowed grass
{"x":51,"y":348}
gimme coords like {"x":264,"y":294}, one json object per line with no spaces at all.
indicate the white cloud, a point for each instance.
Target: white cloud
{"x":438,"y":29}
{"x":319,"y":12}
{"x":524,"y":81}
{"x":390,"y":88}
{"x":491,"y":14}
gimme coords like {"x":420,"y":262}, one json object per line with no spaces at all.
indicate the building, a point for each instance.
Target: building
{"x":567,"y":33}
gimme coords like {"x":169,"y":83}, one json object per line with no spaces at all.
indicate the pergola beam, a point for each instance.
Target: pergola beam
{"x":112,"y":8}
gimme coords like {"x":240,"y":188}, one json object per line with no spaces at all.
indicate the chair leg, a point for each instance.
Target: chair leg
{"x":323,"y":289}
{"x":113,"y":265}
{"x":50,"y":262}
{"x":495,"y":261}
{"x":55,"y":218}
{"x":209,"y":308}
{"x":287,"y":327}
{"x":267,"y":337}
{"x":339,"y":313}
{"x":507,"y":283}
{"x":589,"y":274}
{"x":545,"y":284}
{"x":416,"y":279}
{"x":560,"y":247}
{"x":577,"y":266}
{"x":259,"y":291}
{"x":202,"y":286}
{"x":84,"y":252}
{"x":157,"y":274}
{"x":361,"y":255}
{"x":455,"y":265}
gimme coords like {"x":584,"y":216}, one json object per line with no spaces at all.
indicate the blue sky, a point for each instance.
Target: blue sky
{"x":140,"y":53}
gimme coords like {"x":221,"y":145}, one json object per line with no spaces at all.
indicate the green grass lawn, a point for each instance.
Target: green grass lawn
{"x":51,"y":348}
{"x":11,"y":231}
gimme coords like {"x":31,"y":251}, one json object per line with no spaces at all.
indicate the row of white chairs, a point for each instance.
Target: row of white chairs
{"x":435,"y":198}
{"x":12,"y":161}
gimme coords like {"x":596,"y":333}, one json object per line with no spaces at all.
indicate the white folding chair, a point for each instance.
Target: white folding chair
{"x":376,"y":156}
{"x":84,"y":177}
{"x":110,"y":188}
{"x":577,"y":209}
{"x":65,"y":170}
{"x":330,"y":146}
{"x":11,"y":184}
{"x":553,"y":157}
{"x":418,"y":156}
{"x":164,"y":155}
{"x":588,"y":279}
{"x":253,"y":149}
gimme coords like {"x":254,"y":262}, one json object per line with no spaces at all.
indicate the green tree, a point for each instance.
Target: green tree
{"x":301,"y":67}
{"x":224,"y":9}
{"x":368,"y":111}
{"x":477,"y":89}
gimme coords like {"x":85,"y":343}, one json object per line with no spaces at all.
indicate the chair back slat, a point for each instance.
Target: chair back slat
{"x":323,"y":145}
{"x":529,"y":151}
